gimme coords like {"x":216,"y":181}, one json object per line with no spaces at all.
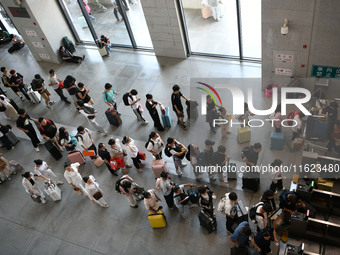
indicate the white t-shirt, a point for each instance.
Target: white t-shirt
{"x":73,"y":177}
{"x":136,"y":105}
{"x":151,"y":202}
{"x":165,"y":186}
{"x":42,"y":170}
{"x":86,"y":141}
{"x":299,"y":123}
{"x":157,"y":145}
{"x":53,"y":80}
{"x":115,"y":149}
{"x":134,"y":153}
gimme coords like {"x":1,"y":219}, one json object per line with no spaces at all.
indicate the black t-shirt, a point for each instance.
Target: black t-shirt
{"x":69,"y":83}
{"x":86,"y":99}
{"x":17,"y":80}
{"x":209,"y":157}
{"x":64,"y":54}
{"x":176,"y":100}
{"x":286,"y":203}
{"x":332,"y":113}
{"x":48,"y":130}
{"x":37,"y":84}
{"x":263,"y":243}
{"x":104,"y":154}
{"x":24,"y":122}
{"x":218,"y":158}
{"x":152,"y":110}
{"x":252,"y":156}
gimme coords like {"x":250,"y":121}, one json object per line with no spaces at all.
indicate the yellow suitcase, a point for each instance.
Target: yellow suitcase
{"x":243,"y":134}
{"x":157,"y":220}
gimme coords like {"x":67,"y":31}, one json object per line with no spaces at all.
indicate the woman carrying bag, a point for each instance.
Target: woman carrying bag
{"x":95,"y":194}
{"x":133,"y":153}
{"x":31,"y":186}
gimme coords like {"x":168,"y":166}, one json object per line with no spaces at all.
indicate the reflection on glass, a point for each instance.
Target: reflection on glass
{"x":212,"y":26}
{"x":251,"y":28}
{"x":6,"y":21}
{"x":78,"y":20}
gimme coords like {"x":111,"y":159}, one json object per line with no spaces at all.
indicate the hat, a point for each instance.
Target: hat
{"x":209,"y":142}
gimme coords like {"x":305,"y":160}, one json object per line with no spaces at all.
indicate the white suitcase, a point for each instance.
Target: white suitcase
{"x":34,"y":96}
{"x":103,"y":51}
{"x":53,"y":191}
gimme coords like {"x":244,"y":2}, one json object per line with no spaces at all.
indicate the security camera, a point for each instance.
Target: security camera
{"x":284,"y":29}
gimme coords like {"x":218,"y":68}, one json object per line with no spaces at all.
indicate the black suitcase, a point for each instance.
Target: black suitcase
{"x":12,"y":138}
{"x":251,"y":183}
{"x":193,"y":195}
{"x":232,"y":176}
{"x":53,"y":150}
{"x":113,"y":118}
{"x":206,"y":221}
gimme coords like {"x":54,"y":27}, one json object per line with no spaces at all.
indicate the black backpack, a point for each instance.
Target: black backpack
{"x":167,"y":151}
{"x":147,"y":143}
{"x":126,"y":99}
{"x":177,"y":149}
{"x":89,"y":110}
{"x":118,"y":184}
{"x":253,"y":213}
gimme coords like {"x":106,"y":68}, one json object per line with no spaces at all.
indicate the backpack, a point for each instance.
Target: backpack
{"x":177,"y":149}
{"x":253,"y":213}
{"x":126,"y":99}
{"x":245,"y":151}
{"x":290,"y":118}
{"x":187,"y":155}
{"x":222,"y":204}
{"x":158,"y":184}
{"x":167,"y":151}
{"x":89,"y":110}
{"x":147,"y":143}
{"x":118,"y":184}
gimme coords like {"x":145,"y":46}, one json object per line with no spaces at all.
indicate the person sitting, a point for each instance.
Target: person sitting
{"x":69,"y":57}
{"x":18,"y":43}
{"x":5,"y":37}
{"x":105,"y":42}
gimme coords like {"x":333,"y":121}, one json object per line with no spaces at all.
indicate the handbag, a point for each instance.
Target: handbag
{"x":116,"y":163}
{"x":60,"y":85}
{"x":141,"y":156}
{"x":98,"y":195}
{"x":89,"y":153}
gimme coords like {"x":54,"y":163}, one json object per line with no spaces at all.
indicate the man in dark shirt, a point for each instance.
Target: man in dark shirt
{"x":262,"y":240}
{"x":38,"y":84}
{"x":17,"y":84}
{"x":209,"y":158}
{"x":151,"y":105}
{"x":105,"y":155}
{"x":177,"y":105}
{"x":71,"y":87}
{"x":23,"y":123}
{"x":251,"y":157}
{"x":220,"y":159}
{"x":69,"y":57}
{"x":49,"y":131}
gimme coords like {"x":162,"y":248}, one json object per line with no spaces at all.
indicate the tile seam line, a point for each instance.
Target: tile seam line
{"x":41,"y":232}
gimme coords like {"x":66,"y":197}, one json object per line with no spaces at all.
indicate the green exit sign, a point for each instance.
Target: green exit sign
{"x":326,"y":71}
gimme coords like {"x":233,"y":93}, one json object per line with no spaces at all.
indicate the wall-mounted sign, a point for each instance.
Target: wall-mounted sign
{"x":284,"y":57}
{"x":283,"y":71}
{"x":19,"y":12}
{"x":31,"y":33}
{"x":326,"y":71}
{"x":38,"y":44}
{"x":44,"y":56}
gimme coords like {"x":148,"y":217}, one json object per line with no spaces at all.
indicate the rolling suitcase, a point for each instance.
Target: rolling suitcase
{"x":76,"y":156}
{"x":12,"y":138}
{"x":251,"y":183}
{"x":207,"y":221}
{"x":34,"y":96}
{"x":53,"y":150}
{"x":157,"y":220}
{"x":53,"y":191}
{"x":317,"y":128}
{"x":243,"y":134}
{"x":113,"y":117}
{"x":206,"y":12}
{"x":158,"y":166}
{"x":277,"y":141}
{"x":232,"y":172}
{"x":166,"y":118}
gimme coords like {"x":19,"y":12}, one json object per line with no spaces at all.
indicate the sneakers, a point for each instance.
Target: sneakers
{"x":135,"y":206}
{"x":48,"y":106}
{"x":184,"y":164}
{"x":52,"y":102}
{"x":139,"y":170}
{"x":106,"y":206}
{"x":36,"y":149}
{"x":105,"y":132}
{"x":128,"y":166}
{"x":60,"y":183}
{"x":43,"y":201}
{"x":179,"y":172}
{"x":145,"y":122}
{"x":183,"y":126}
{"x":21,"y":98}
{"x":67,"y":102}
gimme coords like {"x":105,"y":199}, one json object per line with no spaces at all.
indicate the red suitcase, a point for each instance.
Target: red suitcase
{"x":76,"y":156}
{"x":158,"y":166}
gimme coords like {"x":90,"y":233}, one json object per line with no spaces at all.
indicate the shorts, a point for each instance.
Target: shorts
{"x":46,"y":94}
{"x":179,"y":115}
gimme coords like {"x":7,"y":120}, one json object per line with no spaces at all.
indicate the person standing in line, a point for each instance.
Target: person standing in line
{"x":90,"y":113}
{"x":151,"y":105}
{"x":23,"y":123}
{"x":268,"y":197}
{"x":83,"y":94}
{"x":6,"y":79}
{"x":85,"y":140}
{"x":41,"y":168}
{"x":136,"y":106}
{"x":109,"y":96}
{"x":48,"y":129}
{"x":181,"y":200}
{"x":209,"y":158}
{"x":5,"y":168}
{"x":67,"y":140}
{"x":105,"y":155}
{"x":261,"y":217}
{"x":54,"y":82}
{"x":94,"y":192}
{"x":177,"y":150}
{"x":335,"y":138}
{"x":126,"y":188}
{"x":116,"y":151}
{"x":206,"y":197}
{"x":10,"y":111}
{"x":192,"y":155}
{"x":4,"y":139}
{"x":166,"y":187}
{"x":133,"y":153}
{"x":297,"y":130}
{"x":151,"y":201}
{"x":17,"y":84}
{"x":31,"y":186}
{"x":263,"y":239}
{"x":230,"y":210}
{"x":38,"y":84}
{"x":224,"y":127}
{"x":220,"y":158}
{"x":278,"y":118}
{"x":177,"y":105}
{"x":211,"y":113}
{"x":277,"y":177}
{"x":74,"y":178}
{"x":72,"y":89}
{"x":155,"y":145}
{"x":241,"y":235}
